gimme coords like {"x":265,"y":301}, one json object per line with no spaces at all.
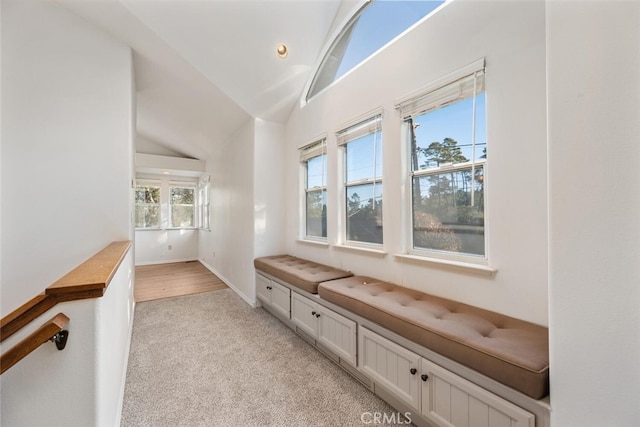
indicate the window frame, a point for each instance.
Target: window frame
{"x":368,"y":124}
{"x":203,"y":215}
{"x":148,"y":184}
{"x":307,"y":153}
{"x":336,"y":41}
{"x":184,"y":185}
{"x":421,"y":102}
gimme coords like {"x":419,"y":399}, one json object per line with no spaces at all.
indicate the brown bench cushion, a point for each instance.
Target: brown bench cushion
{"x":298,"y":272}
{"x":511,"y":351}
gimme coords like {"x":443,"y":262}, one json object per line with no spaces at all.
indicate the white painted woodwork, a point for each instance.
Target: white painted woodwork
{"x":262,"y":283}
{"x":274,"y":295}
{"x":451,"y":401}
{"x":330,"y":328}
{"x":338,"y":333}
{"x":281,"y":299}
{"x":390,"y":365}
{"x":303,"y":312}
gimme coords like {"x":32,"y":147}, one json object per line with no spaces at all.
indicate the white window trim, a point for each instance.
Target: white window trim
{"x":449,"y":264}
{"x":405,"y":106}
{"x":307,"y":152}
{"x":182,"y":184}
{"x":363,"y":125}
{"x":149,"y":183}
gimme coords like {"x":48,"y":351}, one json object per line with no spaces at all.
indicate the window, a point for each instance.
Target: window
{"x":446,"y":128}
{"x":147,"y":206}
{"x":182,"y":206}
{"x":362,"y":145}
{"x":203,"y":202}
{"x":314,"y":160}
{"x":374,"y":25}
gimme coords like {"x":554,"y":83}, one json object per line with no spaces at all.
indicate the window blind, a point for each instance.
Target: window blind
{"x":358,"y":130}
{"x":455,"y":87}
{"x":312,"y":150}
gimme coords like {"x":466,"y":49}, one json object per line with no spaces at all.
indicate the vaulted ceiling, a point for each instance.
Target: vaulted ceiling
{"x":204,"y":67}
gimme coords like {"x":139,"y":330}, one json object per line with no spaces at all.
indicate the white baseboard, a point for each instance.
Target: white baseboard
{"x":166,"y":261}
{"x":226,"y":281}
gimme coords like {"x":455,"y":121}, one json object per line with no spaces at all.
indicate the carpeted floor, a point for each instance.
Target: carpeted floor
{"x":211,"y":360}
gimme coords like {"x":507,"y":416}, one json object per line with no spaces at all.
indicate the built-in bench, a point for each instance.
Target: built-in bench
{"x":511,"y":351}
{"x":299,"y":272}
{"x":413,"y":349}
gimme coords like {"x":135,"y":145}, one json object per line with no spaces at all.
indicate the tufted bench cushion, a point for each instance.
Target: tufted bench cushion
{"x":298,"y":272}
{"x":511,"y":351}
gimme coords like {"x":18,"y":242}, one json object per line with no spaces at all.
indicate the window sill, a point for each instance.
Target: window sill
{"x":313,"y":242}
{"x":367,"y":251}
{"x":168,"y":229}
{"x":449,"y":264}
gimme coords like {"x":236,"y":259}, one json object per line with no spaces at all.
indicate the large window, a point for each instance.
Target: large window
{"x":362,"y":145}
{"x":375,"y":24}
{"x":147,"y":206}
{"x":314,"y":161}
{"x":162,"y":204}
{"x":182,"y":206}
{"x":446,"y":129}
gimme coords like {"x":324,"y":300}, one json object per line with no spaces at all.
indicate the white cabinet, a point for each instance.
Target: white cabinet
{"x":441,"y":396}
{"x":449,"y":400}
{"x":390,"y":365}
{"x":274,"y":295}
{"x":334,"y":331}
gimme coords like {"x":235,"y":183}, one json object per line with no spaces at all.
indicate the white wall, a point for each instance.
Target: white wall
{"x":67,"y":156}
{"x":165,"y":245}
{"x":67,"y":148}
{"x":267,"y":183}
{"x":511,"y":36}
{"x":228,"y":248}
{"x":247,"y":209}
{"x":593,"y":57}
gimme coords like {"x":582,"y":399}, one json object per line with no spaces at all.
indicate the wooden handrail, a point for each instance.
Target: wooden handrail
{"x":89,"y":280}
{"x":43,"y":334}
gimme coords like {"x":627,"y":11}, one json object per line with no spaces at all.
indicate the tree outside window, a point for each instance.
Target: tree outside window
{"x":448,"y":160}
{"x":182,"y":203}
{"x":147,"y":212}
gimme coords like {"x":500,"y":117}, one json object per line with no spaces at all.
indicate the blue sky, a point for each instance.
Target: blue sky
{"x":380,"y":22}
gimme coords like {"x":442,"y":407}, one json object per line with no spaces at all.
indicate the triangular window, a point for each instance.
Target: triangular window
{"x":373,"y":26}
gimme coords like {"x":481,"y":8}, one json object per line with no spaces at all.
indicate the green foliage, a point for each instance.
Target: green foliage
{"x":439,"y":153}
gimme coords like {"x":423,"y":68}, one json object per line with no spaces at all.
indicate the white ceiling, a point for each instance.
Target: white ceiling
{"x":204,"y":67}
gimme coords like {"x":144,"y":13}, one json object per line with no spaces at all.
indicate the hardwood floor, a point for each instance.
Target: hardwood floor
{"x":172,"y":280}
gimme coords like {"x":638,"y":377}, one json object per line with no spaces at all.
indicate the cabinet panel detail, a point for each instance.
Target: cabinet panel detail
{"x":301,"y":314}
{"x":391,"y":365}
{"x":449,"y":400}
{"x":273,"y":295}
{"x":262,"y":288}
{"x":338,"y":333}
{"x":281,"y":299}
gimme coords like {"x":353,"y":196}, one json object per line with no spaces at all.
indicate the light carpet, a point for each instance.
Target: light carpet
{"x":211,"y":360}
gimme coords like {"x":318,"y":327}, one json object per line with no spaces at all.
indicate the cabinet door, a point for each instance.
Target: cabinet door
{"x":449,"y":400}
{"x":338,"y":333}
{"x":390,"y":365}
{"x":281,"y":299}
{"x":303,"y":313}
{"x":262,"y":289}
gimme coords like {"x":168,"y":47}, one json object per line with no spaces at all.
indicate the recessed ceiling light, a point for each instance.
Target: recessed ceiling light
{"x":282,"y":51}
{"x":166,"y":172}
